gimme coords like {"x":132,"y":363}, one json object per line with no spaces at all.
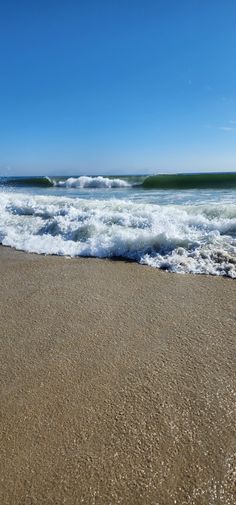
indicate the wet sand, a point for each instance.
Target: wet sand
{"x":117,"y":384}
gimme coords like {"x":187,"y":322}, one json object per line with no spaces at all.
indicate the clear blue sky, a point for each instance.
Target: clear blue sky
{"x":118,"y":86}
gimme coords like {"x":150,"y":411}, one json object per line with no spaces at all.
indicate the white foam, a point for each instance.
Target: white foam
{"x":92,"y":182}
{"x":179,"y":238}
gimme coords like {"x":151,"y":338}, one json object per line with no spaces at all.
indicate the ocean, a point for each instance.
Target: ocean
{"x":183,"y":223}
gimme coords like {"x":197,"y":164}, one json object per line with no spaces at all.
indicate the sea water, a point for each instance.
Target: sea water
{"x":177,"y":223}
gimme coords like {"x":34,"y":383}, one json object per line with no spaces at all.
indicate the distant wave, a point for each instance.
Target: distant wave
{"x":190,"y":238}
{"x":164,"y":182}
{"x":71,"y":182}
{"x":92,"y":182}
{"x":26,"y":181}
{"x":191,"y":181}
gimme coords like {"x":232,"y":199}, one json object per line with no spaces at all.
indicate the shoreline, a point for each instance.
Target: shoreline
{"x":118,"y":383}
{"x":113,"y":259}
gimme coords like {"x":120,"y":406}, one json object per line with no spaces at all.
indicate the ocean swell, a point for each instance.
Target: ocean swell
{"x":179,"y":238}
{"x":191,"y":181}
{"x":215,"y":181}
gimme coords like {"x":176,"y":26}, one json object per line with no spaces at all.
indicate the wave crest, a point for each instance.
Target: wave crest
{"x":92,"y":182}
{"x":191,"y":181}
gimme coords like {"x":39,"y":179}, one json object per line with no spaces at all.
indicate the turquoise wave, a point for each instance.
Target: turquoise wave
{"x":27,"y":181}
{"x":191,"y":181}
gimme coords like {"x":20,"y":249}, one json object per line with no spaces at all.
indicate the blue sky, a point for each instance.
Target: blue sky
{"x":118,"y":86}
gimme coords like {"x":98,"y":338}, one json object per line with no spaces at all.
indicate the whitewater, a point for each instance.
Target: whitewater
{"x":178,"y":231}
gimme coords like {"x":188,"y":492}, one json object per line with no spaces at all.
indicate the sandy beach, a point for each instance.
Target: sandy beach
{"x":117,"y":384}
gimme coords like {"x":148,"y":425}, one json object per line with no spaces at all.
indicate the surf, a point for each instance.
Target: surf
{"x":98,"y":182}
{"x":199,"y":239}
{"x":215,"y":181}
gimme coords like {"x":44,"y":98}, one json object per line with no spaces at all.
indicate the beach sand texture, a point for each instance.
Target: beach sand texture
{"x":117,"y":384}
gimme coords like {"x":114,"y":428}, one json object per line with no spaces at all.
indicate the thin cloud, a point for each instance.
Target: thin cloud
{"x":230,"y":127}
{"x":226,"y":128}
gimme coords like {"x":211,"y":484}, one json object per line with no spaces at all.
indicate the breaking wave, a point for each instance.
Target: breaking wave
{"x":71,"y":182}
{"x":164,"y":182}
{"x":92,"y":182}
{"x":192,"y":238}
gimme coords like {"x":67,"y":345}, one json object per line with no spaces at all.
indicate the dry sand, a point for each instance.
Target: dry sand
{"x":117,"y":384}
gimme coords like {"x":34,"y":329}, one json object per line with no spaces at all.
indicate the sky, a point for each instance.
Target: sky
{"x":118,"y":86}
